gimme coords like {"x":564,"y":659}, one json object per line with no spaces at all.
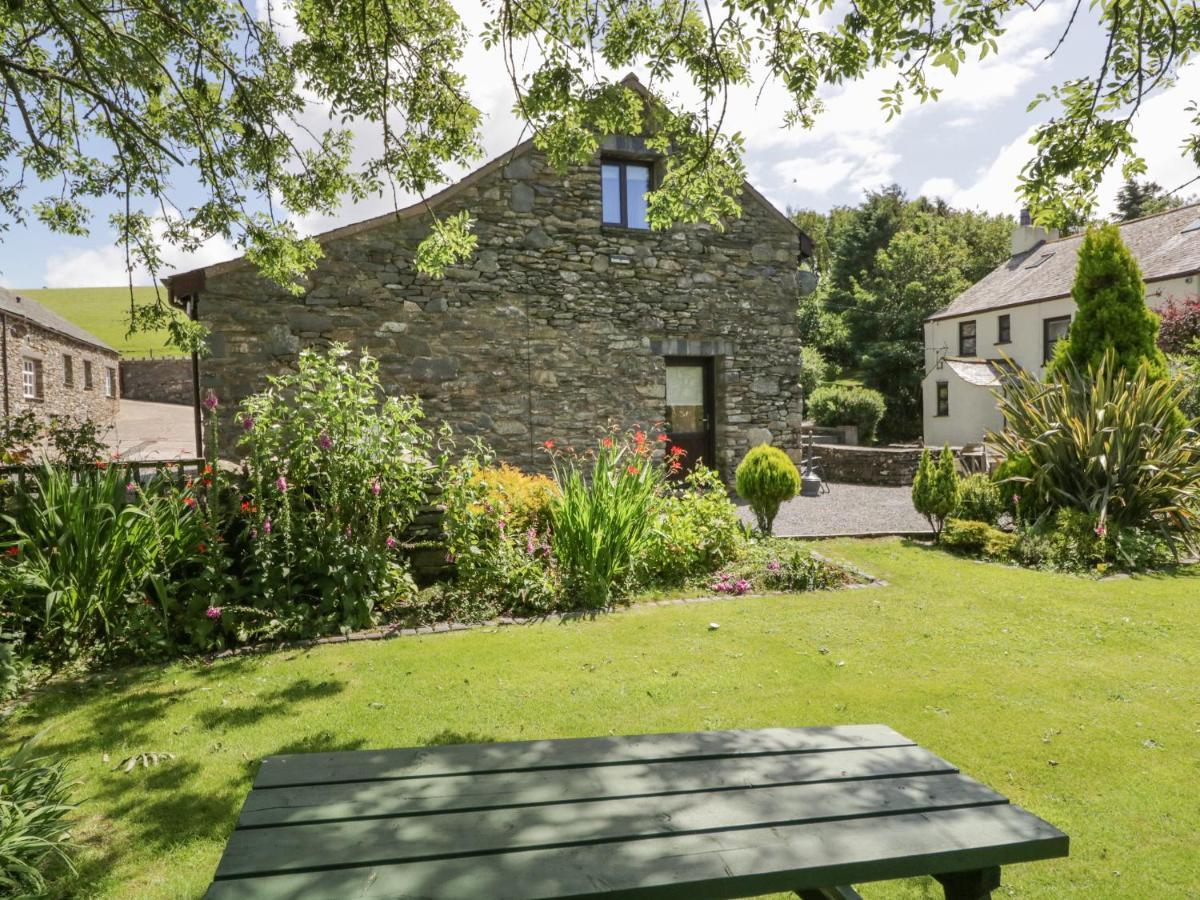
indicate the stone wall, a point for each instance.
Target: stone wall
{"x":896,"y":466}
{"x":62,"y":394}
{"x":157,"y":380}
{"x":556,"y":326}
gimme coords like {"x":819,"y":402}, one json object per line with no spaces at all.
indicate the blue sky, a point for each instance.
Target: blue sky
{"x":968,"y":147}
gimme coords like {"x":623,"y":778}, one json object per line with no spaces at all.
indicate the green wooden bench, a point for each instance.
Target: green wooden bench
{"x":715,"y":814}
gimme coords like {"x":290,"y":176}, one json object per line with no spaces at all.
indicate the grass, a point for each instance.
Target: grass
{"x":1078,"y":699}
{"x":105,"y":313}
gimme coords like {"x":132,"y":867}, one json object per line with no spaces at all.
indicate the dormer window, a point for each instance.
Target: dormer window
{"x":623,"y":186}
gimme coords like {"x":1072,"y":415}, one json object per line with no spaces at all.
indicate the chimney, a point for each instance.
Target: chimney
{"x":1026,"y":235}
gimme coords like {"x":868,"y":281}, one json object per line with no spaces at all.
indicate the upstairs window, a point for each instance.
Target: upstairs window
{"x":623,"y":187}
{"x":1053,"y":331}
{"x":966,"y":338}
{"x":1004,"y":330}
{"x":68,"y":370}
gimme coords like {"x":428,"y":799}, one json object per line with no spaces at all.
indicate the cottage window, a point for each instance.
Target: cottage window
{"x":110,"y":382}
{"x":943,"y":398}
{"x":966,"y":338}
{"x":1053,"y":331}
{"x":68,"y":370}
{"x":31,"y":379}
{"x":1004,"y":330}
{"x":87,"y":375}
{"x":623,"y":188}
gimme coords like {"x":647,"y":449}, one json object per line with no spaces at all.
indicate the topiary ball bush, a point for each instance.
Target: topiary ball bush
{"x":979,"y":500}
{"x":766,"y":478}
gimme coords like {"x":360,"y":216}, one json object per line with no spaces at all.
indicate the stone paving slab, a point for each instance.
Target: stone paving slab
{"x":847,"y":509}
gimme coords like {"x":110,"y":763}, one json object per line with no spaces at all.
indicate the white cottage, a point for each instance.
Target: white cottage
{"x":1016,"y":314}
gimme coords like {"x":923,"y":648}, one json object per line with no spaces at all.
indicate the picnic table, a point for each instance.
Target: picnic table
{"x":704,"y":815}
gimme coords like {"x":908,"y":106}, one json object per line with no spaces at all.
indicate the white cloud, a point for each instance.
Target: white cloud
{"x":104,"y":265}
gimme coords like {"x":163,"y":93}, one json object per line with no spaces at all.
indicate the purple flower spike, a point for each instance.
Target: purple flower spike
{"x":210,"y":401}
{"x":213,"y":612}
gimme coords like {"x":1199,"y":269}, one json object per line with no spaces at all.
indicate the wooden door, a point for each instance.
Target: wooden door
{"x":690,"y":421}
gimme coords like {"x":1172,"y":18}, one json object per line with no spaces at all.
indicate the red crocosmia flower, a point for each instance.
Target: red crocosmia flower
{"x":676,"y":450}
{"x":676,"y":466}
{"x":640,"y":437}
{"x":607,"y":442}
{"x":662,"y":437}
{"x":632,"y":470}
{"x":208,"y":469}
{"x":549,"y":445}
{"x":200,"y":546}
{"x":245,"y":506}
{"x":12,"y":551}
{"x":189,"y":502}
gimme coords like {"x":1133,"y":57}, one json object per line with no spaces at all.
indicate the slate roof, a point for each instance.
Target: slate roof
{"x":1166,"y":245}
{"x":15,"y":305}
{"x":983,"y":372}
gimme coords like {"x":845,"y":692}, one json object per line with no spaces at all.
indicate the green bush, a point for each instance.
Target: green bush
{"x":696,"y":531}
{"x":1074,"y":541}
{"x":1014,"y":478}
{"x":935,"y":490}
{"x":88,"y":556}
{"x":813,"y":370}
{"x":34,"y":805}
{"x":979,"y":500}
{"x":602,"y":518}
{"x":766,"y":477}
{"x":496,"y":527}
{"x":978,"y":538}
{"x":335,"y":471}
{"x":835,"y":404}
{"x":1107,"y":443}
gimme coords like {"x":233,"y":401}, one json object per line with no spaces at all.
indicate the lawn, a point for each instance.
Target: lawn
{"x":105,"y":313}
{"x":1078,"y":699}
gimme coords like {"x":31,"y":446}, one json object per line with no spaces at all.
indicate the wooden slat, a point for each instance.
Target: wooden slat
{"x":467,"y":835}
{"x":364,"y":765}
{"x":349,"y":800}
{"x":706,"y":866}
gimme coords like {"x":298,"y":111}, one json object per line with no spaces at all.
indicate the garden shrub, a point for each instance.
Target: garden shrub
{"x":766,"y":477}
{"x":88,"y":556}
{"x":335,"y":471}
{"x":602,"y":519}
{"x":1014,"y":478}
{"x":979,"y":500}
{"x":935,"y":490}
{"x":1179,"y":325}
{"x":813,"y":370}
{"x":496,"y":526}
{"x":836,"y":404}
{"x":1108,"y":443}
{"x":777,"y":565}
{"x":1071,"y":540}
{"x":978,"y":538}
{"x":695,"y":531}
{"x":34,"y":831}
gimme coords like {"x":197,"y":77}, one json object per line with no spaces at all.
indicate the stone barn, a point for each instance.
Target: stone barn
{"x":571,"y":314}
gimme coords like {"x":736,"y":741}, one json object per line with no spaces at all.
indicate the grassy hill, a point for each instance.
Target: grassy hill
{"x":105,"y":313}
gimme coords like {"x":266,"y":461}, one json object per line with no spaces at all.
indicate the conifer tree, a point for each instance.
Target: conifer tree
{"x":1112,"y":311}
{"x":935,"y":491}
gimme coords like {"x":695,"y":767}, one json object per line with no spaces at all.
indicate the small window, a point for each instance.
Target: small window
{"x":110,"y":382}
{"x":87,"y":375}
{"x":31,"y":379}
{"x":1004,"y":330}
{"x":623,"y":189}
{"x":1053,"y":331}
{"x":943,"y":398}
{"x":966,"y":338}
{"x":68,"y":370}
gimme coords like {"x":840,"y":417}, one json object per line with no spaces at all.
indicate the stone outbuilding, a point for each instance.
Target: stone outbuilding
{"x":570,"y":315}
{"x":53,"y":366}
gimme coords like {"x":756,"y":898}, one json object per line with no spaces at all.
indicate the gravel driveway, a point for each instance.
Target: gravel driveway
{"x":847,"y":509}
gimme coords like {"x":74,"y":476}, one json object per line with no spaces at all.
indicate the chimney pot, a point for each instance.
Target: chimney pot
{"x":1026,"y":219}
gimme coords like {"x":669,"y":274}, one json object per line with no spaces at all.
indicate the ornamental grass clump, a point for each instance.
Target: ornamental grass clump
{"x":602,"y":519}
{"x":766,"y":477}
{"x":335,"y":471}
{"x":1109,"y":443}
{"x":34,"y":831}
